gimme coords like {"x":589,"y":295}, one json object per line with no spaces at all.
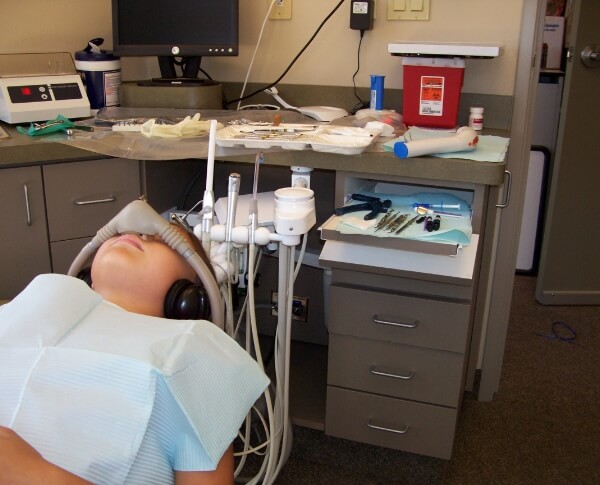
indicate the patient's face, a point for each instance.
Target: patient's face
{"x":136,"y":272}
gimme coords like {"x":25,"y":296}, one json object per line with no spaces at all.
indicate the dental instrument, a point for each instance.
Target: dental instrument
{"x":293,"y":214}
{"x":421,"y":211}
{"x":410,"y":222}
{"x":384,"y":220}
{"x":395,"y":222}
{"x":441,"y":205}
{"x":373,"y":204}
{"x":208,"y":203}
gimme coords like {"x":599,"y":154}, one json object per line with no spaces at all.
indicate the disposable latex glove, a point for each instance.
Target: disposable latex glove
{"x":189,"y":126}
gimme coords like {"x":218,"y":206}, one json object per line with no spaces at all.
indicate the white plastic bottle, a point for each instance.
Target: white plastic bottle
{"x":476,"y":118}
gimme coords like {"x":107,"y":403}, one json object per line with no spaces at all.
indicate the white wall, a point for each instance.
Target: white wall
{"x":52,"y":26}
{"x":66,"y":25}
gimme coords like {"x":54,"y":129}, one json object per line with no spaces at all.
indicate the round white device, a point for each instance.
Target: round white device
{"x":294,"y":210}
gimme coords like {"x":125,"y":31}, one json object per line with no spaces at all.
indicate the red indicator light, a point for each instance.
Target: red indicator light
{"x":26,"y":91}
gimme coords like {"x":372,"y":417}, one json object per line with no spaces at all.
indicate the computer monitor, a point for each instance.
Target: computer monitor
{"x":178,"y":32}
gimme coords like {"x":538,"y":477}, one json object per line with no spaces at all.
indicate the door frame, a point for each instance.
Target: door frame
{"x":507,"y":220}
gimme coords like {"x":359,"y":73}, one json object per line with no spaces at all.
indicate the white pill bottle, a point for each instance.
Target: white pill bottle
{"x":476,"y":118}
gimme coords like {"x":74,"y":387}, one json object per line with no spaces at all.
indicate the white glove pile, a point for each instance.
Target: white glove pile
{"x":189,"y":126}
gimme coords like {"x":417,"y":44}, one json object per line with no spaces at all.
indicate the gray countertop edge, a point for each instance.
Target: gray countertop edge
{"x":369,"y":162}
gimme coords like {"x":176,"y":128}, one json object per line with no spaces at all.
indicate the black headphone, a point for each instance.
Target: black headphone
{"x":185,"y":300}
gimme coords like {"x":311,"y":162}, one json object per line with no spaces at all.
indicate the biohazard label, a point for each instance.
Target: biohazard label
{"x":431,"y":100}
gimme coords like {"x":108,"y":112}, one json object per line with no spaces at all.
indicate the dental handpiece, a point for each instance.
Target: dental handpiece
{"x":233,"y":191}
{"x":253,"y":209}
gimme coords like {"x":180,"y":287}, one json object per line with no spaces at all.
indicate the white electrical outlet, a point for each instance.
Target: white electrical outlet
{"x":299,"y":307}
{"x":282,"y":10}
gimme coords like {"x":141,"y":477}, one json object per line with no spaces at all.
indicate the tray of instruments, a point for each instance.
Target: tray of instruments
{"x":428,"y":222}
{"x":333,"y":230}
{"x":344,"y":140}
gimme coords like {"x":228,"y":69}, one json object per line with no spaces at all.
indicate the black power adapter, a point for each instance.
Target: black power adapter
{"x":361,"y":14}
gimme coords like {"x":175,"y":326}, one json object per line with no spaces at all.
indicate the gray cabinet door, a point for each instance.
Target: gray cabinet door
{"x":24,"y":251}
{"x":83,"y":196}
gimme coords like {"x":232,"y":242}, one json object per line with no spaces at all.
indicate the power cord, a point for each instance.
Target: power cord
{"x":562,"y":331}
{"x":262,"y":28}
{"x":258,"y":91}
{"x":361,"y":104}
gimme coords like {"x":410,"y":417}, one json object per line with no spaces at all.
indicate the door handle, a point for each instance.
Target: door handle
{"x":589,"y":56}
{"x":27,"y":207}
{"x":507,"y":193}
{"x":111,"y":198}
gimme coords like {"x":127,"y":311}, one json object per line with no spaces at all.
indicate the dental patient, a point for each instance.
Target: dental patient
{"x":97,"y":386}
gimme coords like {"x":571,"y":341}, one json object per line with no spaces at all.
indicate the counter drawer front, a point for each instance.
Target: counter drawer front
{"x":418,"y":428}
{"x":397,"y":318}
{"x":81,"y":197}
{"x":64,"y":253}
{"x":396,"y":370}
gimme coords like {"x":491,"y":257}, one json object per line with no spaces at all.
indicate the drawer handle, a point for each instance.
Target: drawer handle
{"x":414,"y":324}
{"x":389,"y":430}
{"x":406,"y":377}
{"x":27,"y":207}
{"x":112,"y":198}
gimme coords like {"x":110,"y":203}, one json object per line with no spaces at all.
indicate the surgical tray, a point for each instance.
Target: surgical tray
{"x":321,"y":138}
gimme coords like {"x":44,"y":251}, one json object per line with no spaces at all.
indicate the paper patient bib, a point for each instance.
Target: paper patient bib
{"x":117,"y":397}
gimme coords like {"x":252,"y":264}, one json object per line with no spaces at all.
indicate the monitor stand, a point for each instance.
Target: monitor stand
{"x":171,"y":91}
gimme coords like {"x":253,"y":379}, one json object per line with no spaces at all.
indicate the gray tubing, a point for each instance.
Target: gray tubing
{"x":139,"y":217}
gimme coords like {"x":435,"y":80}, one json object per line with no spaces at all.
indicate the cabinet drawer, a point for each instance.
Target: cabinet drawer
{"x":392,"y":423}
{"x":397,"y":370}
{"x":24,"y":243}
{"x":64,"y":253}
{"x":81,"y":197}
{"x":397,"y":318}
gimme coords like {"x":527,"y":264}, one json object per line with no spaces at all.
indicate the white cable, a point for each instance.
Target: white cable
{"x":226,"y":296}
{"x":254,"y":53}
{"x":285,"y":362}
{"x":277,"y":445}
{"x":254,"y":334}
{"x":245,"y":304}
{"x":301,"y":256}
{"x":263,"y":445}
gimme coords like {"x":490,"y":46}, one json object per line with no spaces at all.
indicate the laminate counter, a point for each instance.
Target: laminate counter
{"x":22,"y":150}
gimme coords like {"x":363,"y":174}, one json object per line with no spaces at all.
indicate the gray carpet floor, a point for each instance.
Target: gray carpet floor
{"x":543,"y":427}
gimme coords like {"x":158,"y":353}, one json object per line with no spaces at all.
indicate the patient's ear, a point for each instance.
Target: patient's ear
{"x":86,"y":275}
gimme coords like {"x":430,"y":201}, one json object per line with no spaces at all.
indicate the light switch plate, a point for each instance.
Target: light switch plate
{"x":408,"y":10}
